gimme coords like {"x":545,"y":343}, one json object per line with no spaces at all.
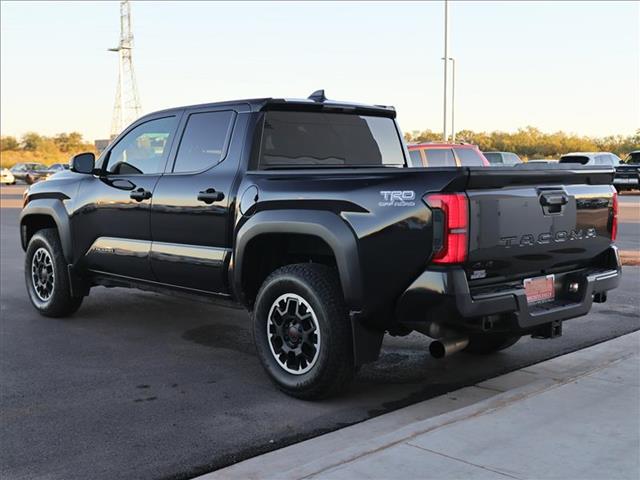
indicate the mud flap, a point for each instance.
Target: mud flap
{"x":78,"y":285}
{"x":366,"y":341}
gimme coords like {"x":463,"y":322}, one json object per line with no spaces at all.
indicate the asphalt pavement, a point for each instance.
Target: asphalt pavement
{"x":140,"y":385}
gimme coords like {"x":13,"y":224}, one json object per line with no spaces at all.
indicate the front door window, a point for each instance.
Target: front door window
{"x":144,"y":149}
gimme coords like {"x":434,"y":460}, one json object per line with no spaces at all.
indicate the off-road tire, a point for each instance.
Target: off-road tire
{"x":60,"y":303}
{"x":333,"y":369}
{"x":487,"y":343}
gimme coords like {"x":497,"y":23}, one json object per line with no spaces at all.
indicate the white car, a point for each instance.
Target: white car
{"x":591,"y":158}
{"x":7,"y":177}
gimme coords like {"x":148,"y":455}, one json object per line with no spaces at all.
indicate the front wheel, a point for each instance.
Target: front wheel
{"x":45,"y":273}
{"x":486,"y":343}
{"x":302,"y":331}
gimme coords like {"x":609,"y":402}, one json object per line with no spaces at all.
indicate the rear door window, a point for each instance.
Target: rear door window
{"x":604,"y":160}
{"x":440,"y":157}
{"x":512,"y":159}
{"x":469,"y":157}
{"x":416,"y":158}
{"x":633,"y":158}
{"x":204,"y":141}
{"x":494,"y":158}
{"x":318,"y":139}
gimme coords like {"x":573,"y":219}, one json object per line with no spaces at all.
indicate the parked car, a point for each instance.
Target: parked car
{"x":303,"y":211}
{"x":628,"y":173}
{"x":502,"y":159}
{"x":7,"y":177}
{"x":29,"y":172}
{"x":436,"y":154}
{"x":591,"y":158}
{"x":56,"y":168}
{"x":620,"y":180}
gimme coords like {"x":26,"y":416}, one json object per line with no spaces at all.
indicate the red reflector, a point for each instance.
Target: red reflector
{"x":456,"y":221}
{"x":614,"y":219}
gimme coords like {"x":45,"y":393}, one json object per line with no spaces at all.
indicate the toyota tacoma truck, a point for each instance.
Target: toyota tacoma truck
{"x":307,"y":213}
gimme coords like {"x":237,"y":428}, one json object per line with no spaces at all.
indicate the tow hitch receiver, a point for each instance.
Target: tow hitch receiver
{"x":548,"y":330}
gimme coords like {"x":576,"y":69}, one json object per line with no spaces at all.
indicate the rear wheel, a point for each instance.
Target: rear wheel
{"x":302,"y":331}
{"x":45,"y":273}
{"x":486,"y":343}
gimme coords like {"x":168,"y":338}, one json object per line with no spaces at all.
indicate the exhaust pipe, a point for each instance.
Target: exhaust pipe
{"x":444,"y":347}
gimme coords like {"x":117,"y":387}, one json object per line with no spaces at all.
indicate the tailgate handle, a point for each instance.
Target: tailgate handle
{"x":553,"y":199}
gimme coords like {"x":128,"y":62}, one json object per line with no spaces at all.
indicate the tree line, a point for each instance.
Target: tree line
{"x":527,"y":142}
{"x":33,"y":142}
{"x":531,"y":143}
{"x":33,"y":147}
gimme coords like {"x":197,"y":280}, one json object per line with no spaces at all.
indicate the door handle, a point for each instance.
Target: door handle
{"x":140,"y":194}
{"x":210,"y":195}
{"x":556,"y":198}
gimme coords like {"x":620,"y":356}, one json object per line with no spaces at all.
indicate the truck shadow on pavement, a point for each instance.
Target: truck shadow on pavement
{"x":232,"y":337}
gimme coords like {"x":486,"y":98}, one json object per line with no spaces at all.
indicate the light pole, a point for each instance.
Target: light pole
{"x":453,"y":97}
{"x":446,"y":64}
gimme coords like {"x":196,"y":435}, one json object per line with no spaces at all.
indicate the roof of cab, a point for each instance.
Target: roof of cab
{"x":316,"y":102}
{"x":584,"y":154}
{"x":421,"y":145}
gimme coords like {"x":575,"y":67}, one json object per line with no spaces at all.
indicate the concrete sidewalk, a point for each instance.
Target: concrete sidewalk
{"x":572,"y":417}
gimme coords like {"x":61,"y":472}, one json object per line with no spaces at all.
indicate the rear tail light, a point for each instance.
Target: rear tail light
{"x":453,"y":209}
{"x":614,"y":217}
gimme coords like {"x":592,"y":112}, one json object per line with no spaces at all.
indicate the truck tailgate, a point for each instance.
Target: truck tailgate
{"x":520,"y":230}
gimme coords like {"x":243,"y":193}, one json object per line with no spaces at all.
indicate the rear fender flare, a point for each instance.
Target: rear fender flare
{"x":326,"y":225}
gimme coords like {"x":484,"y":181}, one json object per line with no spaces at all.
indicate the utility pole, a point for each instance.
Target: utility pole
{"x":127,"y":105}
{"x":446,"y":64}
{"x":453,"y":99}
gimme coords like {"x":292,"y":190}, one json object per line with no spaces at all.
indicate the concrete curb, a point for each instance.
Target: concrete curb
{"x":337,"y":448}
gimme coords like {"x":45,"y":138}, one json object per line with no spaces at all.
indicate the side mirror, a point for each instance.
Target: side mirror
{"x":83,"y":163}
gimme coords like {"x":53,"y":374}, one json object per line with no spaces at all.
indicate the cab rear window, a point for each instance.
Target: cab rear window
{"x":581,"y":159}
{"x":318,"y":139}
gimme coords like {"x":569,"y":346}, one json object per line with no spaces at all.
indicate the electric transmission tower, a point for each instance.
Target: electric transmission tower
{"x":127,"y":107}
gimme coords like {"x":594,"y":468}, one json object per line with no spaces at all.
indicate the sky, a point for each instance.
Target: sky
{"x":571,"y":66}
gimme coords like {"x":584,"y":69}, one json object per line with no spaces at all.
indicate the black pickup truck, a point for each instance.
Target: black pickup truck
{"x":306,"y":213}
{"x":628,"y":173}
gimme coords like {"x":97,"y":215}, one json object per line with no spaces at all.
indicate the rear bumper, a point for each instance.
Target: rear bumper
{"x":444,"y":295}
{"x":630,"y":181}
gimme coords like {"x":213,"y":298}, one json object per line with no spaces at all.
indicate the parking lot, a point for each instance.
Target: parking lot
{"x":140,"y":385}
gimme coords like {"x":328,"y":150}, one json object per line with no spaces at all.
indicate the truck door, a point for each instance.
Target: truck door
{"x":111,"y":222}
{"x":191,"y":208}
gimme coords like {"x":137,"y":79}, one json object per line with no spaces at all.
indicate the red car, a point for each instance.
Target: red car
{"x":446,"y":155}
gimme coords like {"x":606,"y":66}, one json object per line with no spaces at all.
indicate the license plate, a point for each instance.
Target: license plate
{"x":539,"y":289}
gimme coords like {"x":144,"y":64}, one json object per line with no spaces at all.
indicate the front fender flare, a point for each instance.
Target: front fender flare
{"x":51,"y":207}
